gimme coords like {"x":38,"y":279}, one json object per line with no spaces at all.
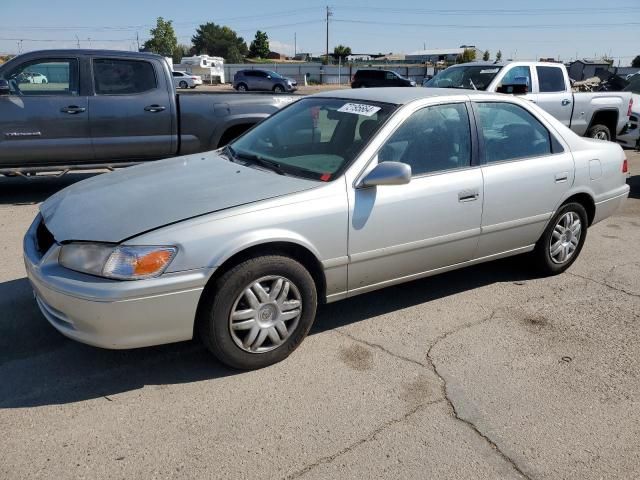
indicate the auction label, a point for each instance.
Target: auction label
{"x":359,"y":109}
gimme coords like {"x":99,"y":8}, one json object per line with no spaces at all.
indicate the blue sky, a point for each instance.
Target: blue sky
{"x":523,"y":30}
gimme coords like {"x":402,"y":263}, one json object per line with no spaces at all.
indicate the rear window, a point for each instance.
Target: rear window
{"x":123,"y":77}
{"x":550,"y":79}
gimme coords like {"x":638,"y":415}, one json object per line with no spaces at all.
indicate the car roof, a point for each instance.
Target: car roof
{"x":398,"y":95}
{"x":87,"y":51}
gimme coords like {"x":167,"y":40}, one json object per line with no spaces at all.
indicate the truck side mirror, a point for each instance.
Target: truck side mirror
{"x":5,"y":88}
{"x":517,"y":87}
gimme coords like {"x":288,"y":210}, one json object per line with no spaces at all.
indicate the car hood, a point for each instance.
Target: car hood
{"x":116,"y":206}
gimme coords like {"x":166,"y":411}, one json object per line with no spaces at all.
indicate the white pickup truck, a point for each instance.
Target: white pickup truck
{"x":601,"y":115}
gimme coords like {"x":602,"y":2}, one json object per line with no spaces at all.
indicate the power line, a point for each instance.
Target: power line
{"x":442,"y":25}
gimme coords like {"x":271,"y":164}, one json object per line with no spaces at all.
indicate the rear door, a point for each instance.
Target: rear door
{"x":131,"y":110}
{"x":44,"y":120}
{"x":554,"y":95}
{"x":526,"y":172}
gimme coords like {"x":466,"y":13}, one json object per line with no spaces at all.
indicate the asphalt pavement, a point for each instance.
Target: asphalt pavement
{"x":489,"y":372}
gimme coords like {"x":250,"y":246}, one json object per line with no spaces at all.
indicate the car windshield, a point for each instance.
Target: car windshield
{"x":314,"y":137}
{"x":634,"y":84}
{"x":274,"y":74}
{"x":469,"y":77}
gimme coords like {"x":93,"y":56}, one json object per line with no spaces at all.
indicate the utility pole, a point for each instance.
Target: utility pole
{"x":295,"y":44}
{"x":327,"y":49}
{"x":77,"y":41}
{"x":138,"y":41}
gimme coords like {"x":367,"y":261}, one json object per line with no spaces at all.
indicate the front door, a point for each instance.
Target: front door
{"x":44,"y":119}
{"x":131,"y":116}
{"x":401,"y":232}
{"x":527,"y":173}
{"x":554,"y":95}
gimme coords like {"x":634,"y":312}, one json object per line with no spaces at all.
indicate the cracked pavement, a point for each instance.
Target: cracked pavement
{"x":489,"y":372}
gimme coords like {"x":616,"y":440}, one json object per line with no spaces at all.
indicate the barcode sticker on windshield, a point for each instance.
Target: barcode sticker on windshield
{"x":359,"y":109}
{"x":490,"y":70}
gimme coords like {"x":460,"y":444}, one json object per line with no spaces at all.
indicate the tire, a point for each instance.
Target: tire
{"x":542,"y":255}
{"x":278,"y":89}
{"x":242,"y":87}
{"x":600,"y":132}
{"x":238,"y":347}
{"x":183,"y":84}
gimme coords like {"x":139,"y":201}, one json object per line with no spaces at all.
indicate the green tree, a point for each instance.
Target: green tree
{"x":219,"y":41}
{"x":499,"y":56}
{"x":469,"y":55}
{"x":486,"y":55}
{"x":259,"y":48}
{"x":636,"y":62}
{"x":181,"y":51}
{"x":342,"y":51}
{"x":163,"y":38}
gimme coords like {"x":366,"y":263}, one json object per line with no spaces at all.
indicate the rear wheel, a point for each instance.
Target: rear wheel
{"x":599,"y":132}
{"x":242,"y":87}
{"x":258,"y":312}
{"x":562,"y":241}
{"x":183,"y":84}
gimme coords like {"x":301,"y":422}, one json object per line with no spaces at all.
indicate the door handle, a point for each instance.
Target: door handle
{"x":562,"y":177}
{"x":154,"y":108}
{"x":73,"y":109}
{"x":468,"y":195}
{"x":566,"y":102}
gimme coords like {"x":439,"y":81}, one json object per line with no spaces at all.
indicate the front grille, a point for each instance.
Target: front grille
{"x":44,"y":238}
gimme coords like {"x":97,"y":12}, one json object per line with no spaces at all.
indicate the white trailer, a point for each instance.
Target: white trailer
{"x":211,"y":69}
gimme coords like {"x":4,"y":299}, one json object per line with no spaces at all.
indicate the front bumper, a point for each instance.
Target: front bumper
{"x":110,"y":313}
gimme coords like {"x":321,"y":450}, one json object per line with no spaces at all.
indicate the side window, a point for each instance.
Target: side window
{"x":123,"y":77}
{"x":517,"y":76}
{"x":45,"y":77}
{"x":431,"y":140}
{"x":176,"y":74}
{"x":550,"y":79}
{"x":511,"y":132}
{"x":390,"y":76}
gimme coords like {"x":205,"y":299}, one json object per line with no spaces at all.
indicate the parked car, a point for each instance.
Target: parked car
{"x":338,"y":194}
{"x":630,"y":137}
{"x":30,"y":77}
{"x":365,"y":78}
{"x":117,"y":108}
{"x":600,"y":115}
{"x":245,"y":80}
{"x":185,"y":80}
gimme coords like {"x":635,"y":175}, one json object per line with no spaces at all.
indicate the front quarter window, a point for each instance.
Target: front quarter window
{"x":315,"y":137}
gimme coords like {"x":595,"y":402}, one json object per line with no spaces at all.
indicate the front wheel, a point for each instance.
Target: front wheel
{"x":258,"y":312}
{"x":278,"y":89}
{"x":599,"y":132}
{"x":562,"y":241}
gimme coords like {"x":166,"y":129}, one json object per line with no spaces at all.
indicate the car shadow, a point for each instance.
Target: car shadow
{"x":36,"y":189}
{"x":634,"y":184}
{"x":39,"y":366}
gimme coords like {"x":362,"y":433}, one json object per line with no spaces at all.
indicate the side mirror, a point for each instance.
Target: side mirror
{"x":5,"y":88}
{"x":518,"y":87}
{"x":387,"y":173}
{"x":269,"y":77}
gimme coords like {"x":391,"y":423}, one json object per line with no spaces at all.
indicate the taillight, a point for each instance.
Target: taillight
{"x":625,"y":166}
{"x":630,"y":107}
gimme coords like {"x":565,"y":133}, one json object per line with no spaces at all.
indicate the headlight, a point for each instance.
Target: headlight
{"x":121,"y":262}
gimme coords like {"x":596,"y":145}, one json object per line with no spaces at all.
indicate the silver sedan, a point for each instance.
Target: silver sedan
{"x":337,"y":194}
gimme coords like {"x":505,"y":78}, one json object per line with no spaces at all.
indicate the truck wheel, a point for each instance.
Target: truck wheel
{"x":278,"y":89}
{"x":258,"y":312}
{"x":599,"y":132}
{"x":242,"y":87}
{"x":183,"y":84}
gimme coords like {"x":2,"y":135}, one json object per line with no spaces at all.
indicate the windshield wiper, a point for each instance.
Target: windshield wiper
{"x":258,"y":160}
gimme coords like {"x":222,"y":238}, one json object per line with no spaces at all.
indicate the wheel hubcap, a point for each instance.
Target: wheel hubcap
{"x":565,"y":238}
{"x":601,"y":136}
{"x":265,"y":314}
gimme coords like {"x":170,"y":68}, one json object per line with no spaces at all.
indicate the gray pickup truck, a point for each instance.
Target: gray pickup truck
{"x":601,"y":115}
{"x":68,"y":109}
